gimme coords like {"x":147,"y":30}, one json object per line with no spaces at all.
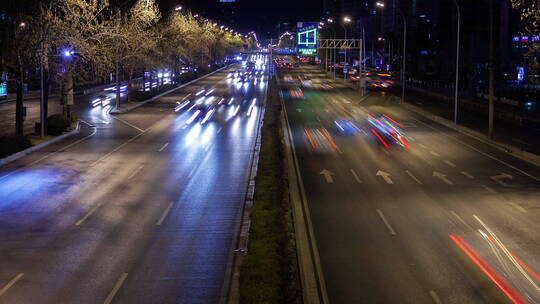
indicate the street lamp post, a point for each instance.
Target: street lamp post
{"x":457,"y":62}
{"x":346,"y":20}
{"x":330,"y":20}
{"x":402,"y":14}
{"x":404,"y":56}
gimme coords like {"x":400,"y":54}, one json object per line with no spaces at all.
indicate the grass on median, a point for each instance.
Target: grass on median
{"x":269,"y":272}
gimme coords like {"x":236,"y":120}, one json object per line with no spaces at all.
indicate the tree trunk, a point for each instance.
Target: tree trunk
{"x":67,"y":94}
{"x":130,"y":85}
{"x":19,"y":107}
{"x":46,"y":83}
{"x":117,"y":84}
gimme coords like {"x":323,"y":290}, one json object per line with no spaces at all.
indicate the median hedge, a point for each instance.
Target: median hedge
{"x":269,"y":272}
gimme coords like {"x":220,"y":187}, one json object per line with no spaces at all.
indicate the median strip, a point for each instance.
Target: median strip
{"x":269,"y":271}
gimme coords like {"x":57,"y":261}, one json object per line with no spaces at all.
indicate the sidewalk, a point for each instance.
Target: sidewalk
{"x":524,"y":136}
{"x":27,"y":96}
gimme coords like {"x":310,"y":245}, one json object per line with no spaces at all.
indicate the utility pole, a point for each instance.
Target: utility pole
{"x":404,"y":57}
{"x":457,"y":62}
{"x":118,"y":83}
{"x":491,"y":70}
{"x":42,"y":110}
{"x":19,"y":108}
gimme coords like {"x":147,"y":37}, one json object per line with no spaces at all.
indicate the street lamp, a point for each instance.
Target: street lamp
{"x":67,"y":53}
{"x":178,"y":8}
{"x":381,"y":5}
{"x":330,"y":20}
{"x":457,"y":62}
{"x":345,"y":20}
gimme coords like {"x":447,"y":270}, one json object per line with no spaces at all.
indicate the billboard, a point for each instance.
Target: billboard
{"x":307,"y":35}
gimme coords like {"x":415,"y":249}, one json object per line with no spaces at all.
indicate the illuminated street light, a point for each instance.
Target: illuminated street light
{"x":379,"y":4}
{"x":178,"y":8}
{"x":347,"y":19}
{"x":22,"y":24}
{"x":330,"y":20}
{"x":67,"y":53}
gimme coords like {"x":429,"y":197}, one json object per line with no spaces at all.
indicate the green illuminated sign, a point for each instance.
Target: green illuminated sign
{"x":307,"y":52}
{"x":3,"y":89}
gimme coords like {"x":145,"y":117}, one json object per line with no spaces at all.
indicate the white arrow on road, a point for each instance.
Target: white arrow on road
{"x":328,"y":175}
{"x":386,"y":176}
{"x":442,"y":177}
{"x":498,"y":179}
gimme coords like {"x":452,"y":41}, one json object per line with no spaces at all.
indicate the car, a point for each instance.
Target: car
{"x":387,"y":131}
{"x":102,"y":100}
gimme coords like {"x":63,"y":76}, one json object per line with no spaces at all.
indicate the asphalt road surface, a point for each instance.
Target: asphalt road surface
{"x":434,"y":217}
{"x":137,"y":208}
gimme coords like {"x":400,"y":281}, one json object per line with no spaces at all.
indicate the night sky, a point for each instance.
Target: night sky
{"x":258,"y":15}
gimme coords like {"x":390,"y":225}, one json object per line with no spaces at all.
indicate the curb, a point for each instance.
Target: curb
{"x":125,"y":110}
{"x":24,"y":152}
{"x":509,"y":149}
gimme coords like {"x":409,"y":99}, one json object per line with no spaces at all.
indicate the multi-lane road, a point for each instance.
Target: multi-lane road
{"x":142,"y":207}
{"x":438,"y":217}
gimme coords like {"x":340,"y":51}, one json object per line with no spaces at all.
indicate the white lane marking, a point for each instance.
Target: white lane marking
{"x":435,"y":297}
{"x":52,"y":153}
{"x":192,"y":172}
{"x":385,"y":176}
{"x":381,"y":214}
{"x":88,"y":214}
{"x":462,"y":220}
{"x":127,"y":123}
{"x":135,"y":172}
{"x":163,"y":147}
{"x":442,"y":177}
{"x":451,"y":164}
{"x":483,"y":153}
{"x":498,"y":179}
{"x":328,"y":176}
{"x":467,"y":174}
{"x":413,"y":177}
{"x":164,"y":215}
{"x":218,"y":131}
{"x":358,"y":180}
{"x":518,"y":207}
{"x":489,"y":189}
{"x":434,"y":153}
{"x":116,"y":149}
{"x":339,"y":150}
{"x":422,"y":146}
{"x":117,"y":286}
{"x":11,"y":283}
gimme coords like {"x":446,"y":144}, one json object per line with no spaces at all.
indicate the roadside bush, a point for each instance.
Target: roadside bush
{"x":10,"y":145}
{"x":57,"y":124}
